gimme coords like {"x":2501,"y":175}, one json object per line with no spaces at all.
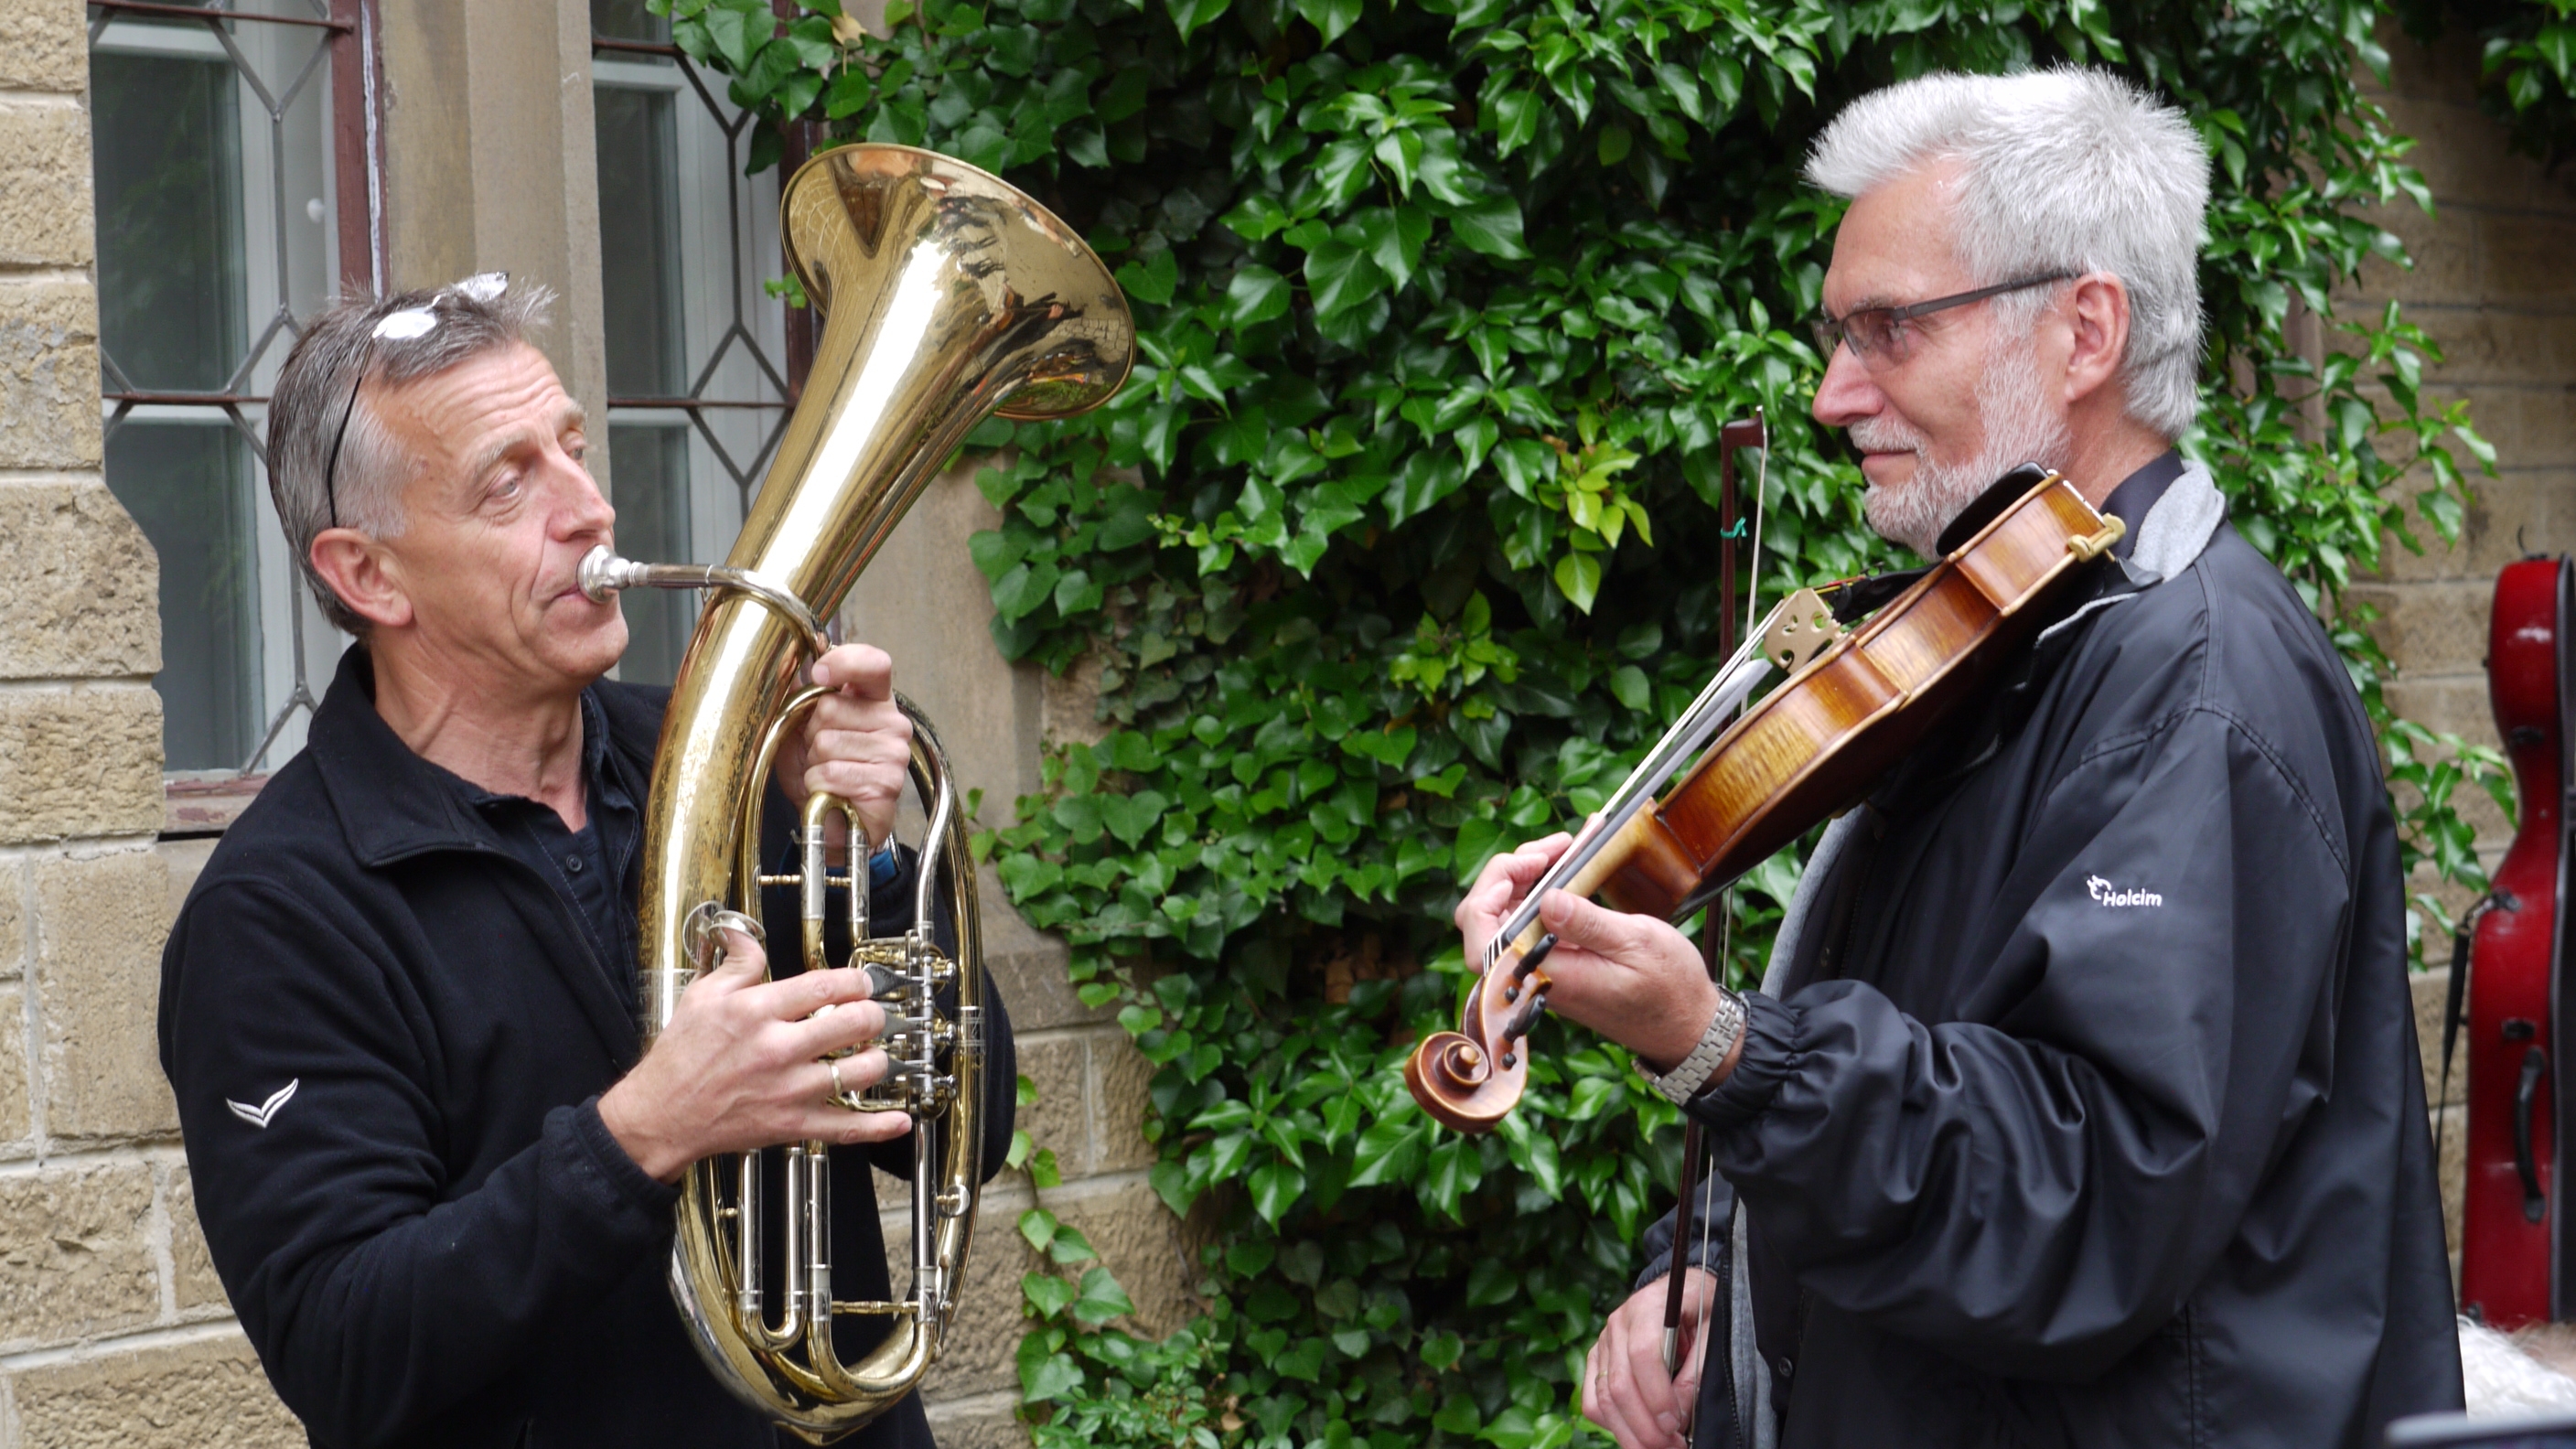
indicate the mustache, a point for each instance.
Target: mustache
{"x":1885,"y":435}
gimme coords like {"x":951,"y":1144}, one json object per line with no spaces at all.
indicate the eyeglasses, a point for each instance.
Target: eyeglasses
{"x":400,"y":326}
{"x":1881,"y":331}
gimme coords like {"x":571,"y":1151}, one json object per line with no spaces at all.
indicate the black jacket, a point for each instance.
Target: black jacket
{"x":433,"y":1240}
{"x":2089,"y":1111}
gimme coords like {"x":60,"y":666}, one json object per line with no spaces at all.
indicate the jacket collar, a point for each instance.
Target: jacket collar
{"x":392,"y":803}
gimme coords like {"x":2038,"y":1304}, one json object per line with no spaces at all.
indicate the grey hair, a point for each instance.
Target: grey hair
{"x":2064,"y":170}
{"x":321,"y":383}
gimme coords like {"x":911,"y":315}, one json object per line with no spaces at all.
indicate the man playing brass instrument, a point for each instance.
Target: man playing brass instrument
{"x":2081,"y":1104}
{"x":399,"y":1009}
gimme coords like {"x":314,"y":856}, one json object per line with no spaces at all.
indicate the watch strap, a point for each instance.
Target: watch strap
{"x":1684,"y":1081}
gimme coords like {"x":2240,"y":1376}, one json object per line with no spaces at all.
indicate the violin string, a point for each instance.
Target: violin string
{"x":1744,"y":671}
{"x":1724,"y":909}
{"x":1753,"y":570}
{"x":1688,"y":733}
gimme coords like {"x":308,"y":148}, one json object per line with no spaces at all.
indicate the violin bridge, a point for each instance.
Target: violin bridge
{"x":1803,"y":627}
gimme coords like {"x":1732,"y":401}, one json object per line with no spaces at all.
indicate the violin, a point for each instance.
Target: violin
{"x":1854,"y":703}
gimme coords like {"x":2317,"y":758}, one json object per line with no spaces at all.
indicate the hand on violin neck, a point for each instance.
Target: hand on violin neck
{"x":1634,"y":979}
{"x":1499,"y":888}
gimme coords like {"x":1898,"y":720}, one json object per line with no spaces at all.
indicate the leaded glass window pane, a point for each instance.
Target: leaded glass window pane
{"x":213,"y":146}
{"x":653,"y":523}
{"x":189,"y":486}
{"x":640,"y":267}
{"x":165,"y":132}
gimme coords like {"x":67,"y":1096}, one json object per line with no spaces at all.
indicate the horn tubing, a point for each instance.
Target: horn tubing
{"x":947,"y":296}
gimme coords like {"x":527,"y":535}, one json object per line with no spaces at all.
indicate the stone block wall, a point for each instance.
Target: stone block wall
{"x":2494,"y":285}
{"x":113,"y":1329}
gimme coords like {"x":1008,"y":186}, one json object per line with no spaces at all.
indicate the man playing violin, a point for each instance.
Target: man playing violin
{"x":2081,"y":1104}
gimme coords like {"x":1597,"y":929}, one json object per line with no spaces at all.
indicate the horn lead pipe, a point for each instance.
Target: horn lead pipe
{"x":603,"y":573}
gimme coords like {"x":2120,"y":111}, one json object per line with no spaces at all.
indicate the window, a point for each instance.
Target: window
{"x":215,"y":153}
{"x":697,"y":390}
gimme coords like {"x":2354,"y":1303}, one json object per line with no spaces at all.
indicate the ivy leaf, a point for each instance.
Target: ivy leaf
{"x":1051,"y":1377}
{"x":1478,"y":839}
{"x":1343,"y":172}
{"x":1513,"y":118}
{"x":1102,"y":1299}
{"x":1257,"y":217}
{"x":1455,"y":1167}
{"x":1304,"y":1362}
{"x":1400,"y":154}
{"x":1630,"y":685}
{"x":1024,"y":588}
{"x":1130,"y":816}
{"x":1427,"y":478}
{"x":1046,"y":1293}
{"x":1389,"y":1151}
{"x":1578,"y":577}
{"x":1340,"y":274}
{"x":1492,"y":226}
{"x":1330,"y":17}
{"x":1188,"y":16}
{"x":735,"y":37}
{"x":1274,"y":1190}
{"x":1254,"y":295}
{"x":1152,"y":279}
{"x":851,"y":92}
{"x":1038,"y":1226}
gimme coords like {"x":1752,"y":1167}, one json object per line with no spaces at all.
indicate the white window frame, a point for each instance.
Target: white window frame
{"x":277,"y":52}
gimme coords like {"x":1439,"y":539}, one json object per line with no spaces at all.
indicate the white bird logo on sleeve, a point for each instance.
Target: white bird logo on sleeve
{"x":259,"y":1116}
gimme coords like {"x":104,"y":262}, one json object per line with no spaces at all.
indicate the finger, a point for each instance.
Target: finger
{"x":799,"y":997}
{"x":1578,"y":922}
{"x":860,"y":669}
{"x":741,"y":962}
{"x":1597,"y":1405}
{"x":859,"y":732}
{"x":1507,"y":876}
{"x":859,"y":1071}
{"x":1639,"y":1375}
{"x":851,"y":1128}
{"x":1632,"y":1411}
{"x":836,"y":1027}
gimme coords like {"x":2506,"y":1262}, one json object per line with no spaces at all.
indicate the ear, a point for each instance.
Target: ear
{"x":2099,"y":319}
{"x":366,"y":576}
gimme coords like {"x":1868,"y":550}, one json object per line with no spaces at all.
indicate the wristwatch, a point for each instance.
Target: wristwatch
{"x":1684,"y":1081}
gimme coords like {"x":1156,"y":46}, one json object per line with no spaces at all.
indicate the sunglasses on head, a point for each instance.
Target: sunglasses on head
{"x":401,"y":326}
{"x":1881,"y":331}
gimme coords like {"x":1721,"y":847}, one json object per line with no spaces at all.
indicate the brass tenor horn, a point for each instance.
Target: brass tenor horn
{"x":947,"y":296}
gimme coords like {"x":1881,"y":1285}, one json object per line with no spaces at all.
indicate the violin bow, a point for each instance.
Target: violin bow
{"x":1717,"y":921}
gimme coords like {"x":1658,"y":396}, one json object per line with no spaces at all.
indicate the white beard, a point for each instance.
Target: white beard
{"x":2019,"y":429}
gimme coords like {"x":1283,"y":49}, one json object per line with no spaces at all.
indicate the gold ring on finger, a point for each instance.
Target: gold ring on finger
{"x":840,"y":1094}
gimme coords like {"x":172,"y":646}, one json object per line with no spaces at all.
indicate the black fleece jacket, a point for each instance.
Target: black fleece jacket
{"x":2090,"y":1113}
{"x":388,"y":1038}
